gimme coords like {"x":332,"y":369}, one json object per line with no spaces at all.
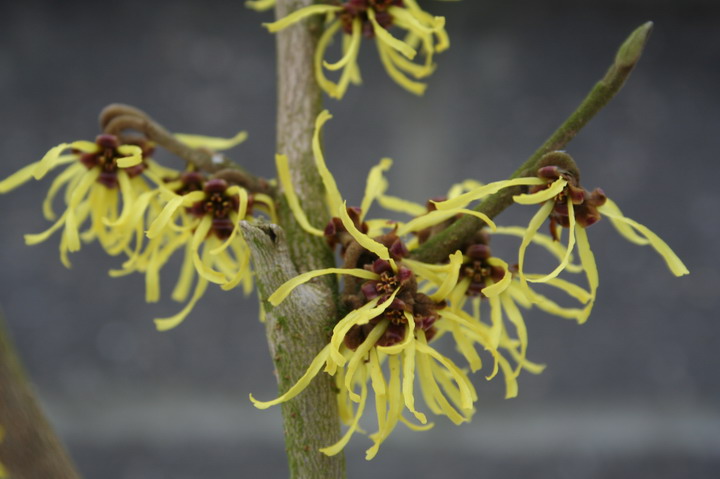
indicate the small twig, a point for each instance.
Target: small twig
{"x":117,"y":118}
{"x":438,"y":247}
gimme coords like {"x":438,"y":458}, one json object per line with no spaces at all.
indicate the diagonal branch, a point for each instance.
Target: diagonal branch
{"x":446,"y":242}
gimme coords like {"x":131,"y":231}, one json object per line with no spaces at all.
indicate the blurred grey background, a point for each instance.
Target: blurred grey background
{"x":634,"y":393}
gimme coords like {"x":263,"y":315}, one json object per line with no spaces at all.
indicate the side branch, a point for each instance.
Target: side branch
{"x":30,"y":448}
{"x":116,"y":118}
{"x":446,"y":242}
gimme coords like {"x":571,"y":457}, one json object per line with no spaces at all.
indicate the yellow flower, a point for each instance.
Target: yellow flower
{"x":100,"y":176}
{"x":201,"y":217}
{"x":570,"y":206}
{"x":373,"y":19}
{"x":391,"y":322}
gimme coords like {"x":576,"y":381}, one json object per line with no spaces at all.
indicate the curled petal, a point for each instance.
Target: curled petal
{"x":283,"y":291}
{"x":298,"y":15}
{"x":211,"y":142}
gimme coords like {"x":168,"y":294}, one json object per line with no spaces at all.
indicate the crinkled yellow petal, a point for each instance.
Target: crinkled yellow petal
{"x":260,"y":5}
{"x":48,"y":161}
{"x":543,"y":195}
{"x":338,"y":446}
{"x":298,"y":15}
{"x":400,"y":205}
{"x":466,"y":348}
{"x":211,"y":142}
{"x":418,"y":88}
{"x":404,"y":16}
{"x":395,"y":404}
{"x":612,"y":211}
{"x":546,"y":241}
{"x":515,"y":316}
{"x":375,"y":186}
{"x":164,"y":324}
{"x":32,"y":239}
{"x":485,"y":190}
{"x":66,"y":176}
{"x":511,"y":385}
{"x":571,"y":244}
{"x":497,"y":288}
{"x":587,"y":260}
{"x":460,"y":378}
{"x":408,"y":358}
{"x":323,"y":42}
{"x":535,"y":222}
{"x":283,"y":291}
{"x":73,"y":218}
{"x":417,"y":70}
{"x":675,"y":264}
{"x":353,"y":46}
{"x":187,"y":270}
{"x":385,"y":37}
{"x":133,"y":156}
{"x":351,"y":50}
{"x":496,"y":328}
{"x":202,"y":264}
{"x":438,"y":216}
{"x":365,"y":241}
{"x":281,"y":161}
{"x":417,"y":427}
{"x":21,"y":176}
{"x":331,"y":190}
{"x":362,"y":315}
{"x":301,"y":384}
{"x":360,"y":356}
{"x":451,"y":277}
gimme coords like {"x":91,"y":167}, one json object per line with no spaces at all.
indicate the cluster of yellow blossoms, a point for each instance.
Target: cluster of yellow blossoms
{"x":354,"y":19}
{"x":399,"y":307}
{"x":115,"y":193}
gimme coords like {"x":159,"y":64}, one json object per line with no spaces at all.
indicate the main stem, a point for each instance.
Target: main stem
{"x":296,"y":333}
{"x":30,"y":449}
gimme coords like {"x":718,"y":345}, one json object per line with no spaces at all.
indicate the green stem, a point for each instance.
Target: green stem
{"x":30,"y":448}
{"x":438,"y":247}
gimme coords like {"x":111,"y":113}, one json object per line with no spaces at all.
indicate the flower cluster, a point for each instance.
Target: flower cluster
{"x":400,"y":307}
{"x":372,"y":19}
{"x":117,"y":194}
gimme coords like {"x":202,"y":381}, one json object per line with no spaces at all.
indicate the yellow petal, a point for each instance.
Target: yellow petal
{"x":497,"y":288}
{"x":283,"y":291}
{"x":281,"y":161}
{"x":364,"y":240}
{"x":133,"y":156}
{"x":338,"y":446}
{"x":298,"y":15}
{"x":260,"y":5}
{"x":485,"y":190}
{"x":543,"y":195}
{"x":375,"y":185}
{"x":18,"y":178}
{"x":211,"y":142}
{"x":571,"y":244}
{"x":400,"y":205}
{"x":352,"y":47}
{"x":612,"y":211}
{"x":587,"y":260}
{"x":401,"y":79}
{"x":451,"y":277}
{"x":164,"y":324}
{"x":384,"y":36}
{"x":300,"y":385}
{"x":675,"y":264}
{"x":331,"y":190}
